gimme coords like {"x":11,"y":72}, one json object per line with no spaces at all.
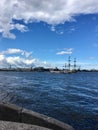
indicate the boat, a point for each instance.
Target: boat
{"x":68,"y":68}
{"x":62,"y":71}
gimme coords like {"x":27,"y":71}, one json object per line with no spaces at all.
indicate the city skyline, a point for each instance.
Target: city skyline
{"x":47,"y":33}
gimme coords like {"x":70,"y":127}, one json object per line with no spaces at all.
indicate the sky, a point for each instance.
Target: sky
{"x":46,"y":33}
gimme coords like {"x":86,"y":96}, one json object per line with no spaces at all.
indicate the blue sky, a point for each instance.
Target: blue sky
{"x":46,"y":34}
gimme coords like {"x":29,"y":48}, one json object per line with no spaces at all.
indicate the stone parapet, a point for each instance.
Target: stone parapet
{"x":10,"y":112}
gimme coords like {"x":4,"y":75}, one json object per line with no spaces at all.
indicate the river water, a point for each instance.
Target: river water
{"x":71,"y":98}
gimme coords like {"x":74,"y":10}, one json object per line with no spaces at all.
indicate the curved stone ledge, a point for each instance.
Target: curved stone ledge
{"x":10,"y":112}
{"x":5,"y":125}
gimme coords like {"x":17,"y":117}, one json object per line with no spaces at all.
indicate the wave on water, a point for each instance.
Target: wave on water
{"x":71,"y":98}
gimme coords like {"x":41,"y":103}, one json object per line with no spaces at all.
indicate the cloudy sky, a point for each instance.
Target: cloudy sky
{"x":46,"y":32}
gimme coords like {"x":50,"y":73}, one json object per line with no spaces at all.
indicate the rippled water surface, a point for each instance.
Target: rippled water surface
{"x":71,"y":98}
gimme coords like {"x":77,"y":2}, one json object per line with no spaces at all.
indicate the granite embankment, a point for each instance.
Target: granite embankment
{"x":13,"y":113}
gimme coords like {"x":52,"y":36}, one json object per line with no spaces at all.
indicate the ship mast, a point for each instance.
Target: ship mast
{"x":69,"y":63}
{"x":65,"y":66}
{"x":74,"y":63}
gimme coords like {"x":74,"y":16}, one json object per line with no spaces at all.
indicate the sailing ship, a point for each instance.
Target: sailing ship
{"x":68,"y":68}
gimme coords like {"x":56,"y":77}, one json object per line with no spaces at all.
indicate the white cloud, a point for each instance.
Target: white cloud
{"x":57,"y":29}
{"x":7,"y":34}
{"x":43,"y":64}
{"x":88,"y":65}
{"x":49,"y":11}
{"x":65,"y":51}
{"x":26,"y":54}
{"x":1,"y":57}
{"x":12,"y":51}
{"x":53,"y":29}
{"x":22,"y":59}
{"x":21,"y":27}
{"x":3,"y":62}
{"x":20,"y":62}
{"x":16,"y":51}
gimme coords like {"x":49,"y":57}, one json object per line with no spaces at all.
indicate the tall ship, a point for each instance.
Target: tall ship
{"x":67,"y":68}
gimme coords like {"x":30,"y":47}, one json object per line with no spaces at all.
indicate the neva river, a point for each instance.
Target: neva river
{"x":71,"y":98}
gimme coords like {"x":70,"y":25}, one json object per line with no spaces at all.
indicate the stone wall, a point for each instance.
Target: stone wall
{"x":10,"y":112}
